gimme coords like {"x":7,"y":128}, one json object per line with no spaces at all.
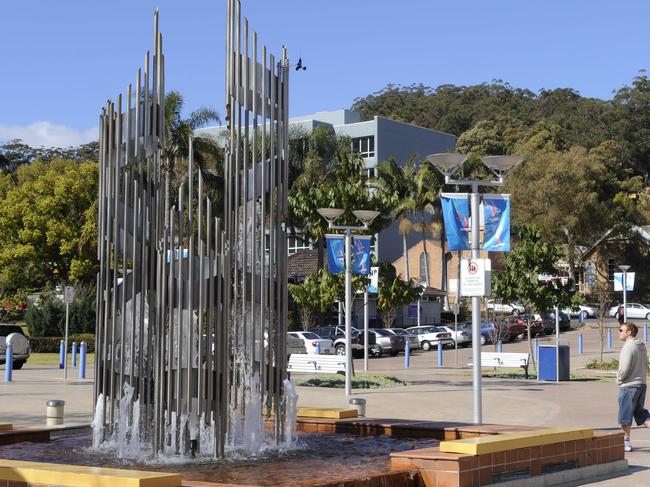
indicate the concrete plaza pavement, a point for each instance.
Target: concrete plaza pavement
{"x":432,"y":393}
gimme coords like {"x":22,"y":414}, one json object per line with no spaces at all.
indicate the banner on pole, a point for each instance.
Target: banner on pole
{"x":496,"y":212}
{"x":373,"y":287}
{"x":361,"y":255}
{"x":335,"y":253}
{"x":455,"y":211}
{"x":618,"y":281}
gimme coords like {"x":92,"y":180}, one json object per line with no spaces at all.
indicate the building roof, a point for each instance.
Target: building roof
{"x":303,"y":263}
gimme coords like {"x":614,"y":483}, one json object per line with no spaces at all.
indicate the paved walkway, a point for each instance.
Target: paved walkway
{"x":437,"y":394}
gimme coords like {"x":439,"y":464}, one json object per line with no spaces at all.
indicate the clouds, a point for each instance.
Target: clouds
{"x":47,"y":134}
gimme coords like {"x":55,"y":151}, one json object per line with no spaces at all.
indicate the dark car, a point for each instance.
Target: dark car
{"x":490,"y":332}
{"x":387,"y":341}
{"x":337,"y":335}
{"x":536,"y":327}
{"x":565,"y":321}
{"x":514,"y":327}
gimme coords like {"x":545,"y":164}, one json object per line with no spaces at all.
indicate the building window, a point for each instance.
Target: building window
{"x":296,"y":243}
{"x":611,"y":269}
{"x":364,"y":146}
{"x":423,"y":267}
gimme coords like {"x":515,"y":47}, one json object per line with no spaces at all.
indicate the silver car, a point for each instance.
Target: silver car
{"x":460,"y":336}
{"x":412,"y":339}
{"x":430,"y":336}
{"x":387,"y":342}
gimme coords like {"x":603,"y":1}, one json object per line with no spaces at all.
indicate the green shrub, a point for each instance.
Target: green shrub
{"x":46,"y":317}
{"x":51,"y":344}
{"x":359,"y":381}
{"x":606,"y":365}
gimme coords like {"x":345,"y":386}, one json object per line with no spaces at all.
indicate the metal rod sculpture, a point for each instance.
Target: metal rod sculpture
{"x":192,"y":308}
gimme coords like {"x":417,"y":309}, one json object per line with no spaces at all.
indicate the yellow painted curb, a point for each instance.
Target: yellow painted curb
{"x":74,"y":475}
{"x":332,"y":413}
{"x":514,"y":441}
{"x":6,"y":426}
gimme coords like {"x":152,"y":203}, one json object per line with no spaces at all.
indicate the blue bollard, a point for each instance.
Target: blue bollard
{"x":74,"y":354}
{"x":500,"y":346}
{"x":407,"y":355}
{"x":609,"y":338}
{"x":9,"y":362}
{"x":536,"y":348}
{"x":580,"y":349}
{"x":61,"y":354}
{"x":439,"y":353}
{"x":645,"y":332}
{"x":317,"y":348}
{"x":82,"y":360}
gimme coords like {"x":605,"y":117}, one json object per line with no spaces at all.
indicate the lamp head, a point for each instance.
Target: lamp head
{"x":624,"y":268}
{"x":366,"y":216}
{"x":447,"y":163}
{"x":330,"y":214}
{"x":501,"y":165}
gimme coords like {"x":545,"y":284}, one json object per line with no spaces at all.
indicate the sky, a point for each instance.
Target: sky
{"x":61,"y":60}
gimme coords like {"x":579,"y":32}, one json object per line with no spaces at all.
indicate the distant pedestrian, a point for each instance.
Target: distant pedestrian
{"x":631,"y":380}
{"x":621,"y":315}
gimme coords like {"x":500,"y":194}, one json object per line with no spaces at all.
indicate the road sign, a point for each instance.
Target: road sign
{"x":68,"y":294}
{"x":475,"y":277}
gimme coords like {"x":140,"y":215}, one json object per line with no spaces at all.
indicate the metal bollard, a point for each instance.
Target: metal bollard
{"x":359,"y":404}
{"x":645,"y":332}
{"x":82,"y":360}
{"x":9,"y":363}
{"x":407,"y":355}
{"x":580,"y":345}
{"x":61,"y":354}
{"x":536,"y":349}
{"x":317,"y":348}
{"x":74,"y":354}
{"x":55,"y":412}
{"x":500,"y":346}
{"x":439,"y":353}
{"x":609,"y":338}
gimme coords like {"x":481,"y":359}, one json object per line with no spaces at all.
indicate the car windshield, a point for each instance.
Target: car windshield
{"x":310,"y":336}
{"x":384,"y":333}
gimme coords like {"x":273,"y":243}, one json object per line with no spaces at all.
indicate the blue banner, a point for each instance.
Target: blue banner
{"x":361,"y":255}
{"x":496,"y":211}
{"x":455,"y":211}
{"x":335,"y":253}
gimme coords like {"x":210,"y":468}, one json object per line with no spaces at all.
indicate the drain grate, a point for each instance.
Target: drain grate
{"x":512,"y":475}
{"x":558,"y":467}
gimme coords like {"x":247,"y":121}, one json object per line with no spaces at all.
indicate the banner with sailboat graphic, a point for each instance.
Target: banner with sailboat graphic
{"x":496,"y":213}
{"x":455,"y":211}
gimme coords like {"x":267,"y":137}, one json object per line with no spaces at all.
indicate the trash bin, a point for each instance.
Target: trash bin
{"x":547,"y":362}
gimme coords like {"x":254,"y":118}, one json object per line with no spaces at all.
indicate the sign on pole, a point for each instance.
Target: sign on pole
{"x":373,"y":287}
{"x":68,"y":294}
{"x":475,"y":277}
{"x":629,"y":281}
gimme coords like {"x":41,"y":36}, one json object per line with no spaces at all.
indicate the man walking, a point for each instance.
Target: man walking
{"x":631,"y":379}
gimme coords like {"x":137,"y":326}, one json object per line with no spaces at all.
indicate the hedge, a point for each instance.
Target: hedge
{"x":51,"y":344}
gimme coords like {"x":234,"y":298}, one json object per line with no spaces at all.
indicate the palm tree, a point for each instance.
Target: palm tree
{"x":207,"y":153}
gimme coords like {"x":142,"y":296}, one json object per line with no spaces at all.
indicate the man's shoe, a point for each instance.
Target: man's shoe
{"x":626,"y":445}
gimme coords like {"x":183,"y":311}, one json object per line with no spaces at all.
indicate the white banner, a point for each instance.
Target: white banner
{"x":618,"y":281}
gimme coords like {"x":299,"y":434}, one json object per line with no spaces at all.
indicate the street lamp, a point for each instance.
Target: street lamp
{"x":448,"y":164}
{"x":366,"y":217}
{"x":624,"y":268}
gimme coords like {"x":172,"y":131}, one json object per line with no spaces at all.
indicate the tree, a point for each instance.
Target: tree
{"x":393,"y":292}
{"x":316,"y":294}
{"x":42,"y":216}
{"x":15,"y":153}
{"x":529,"y":259}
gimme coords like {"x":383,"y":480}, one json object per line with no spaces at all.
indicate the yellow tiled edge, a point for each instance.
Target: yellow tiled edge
{"x":332,"y":413}
{"x":513,"y":441}
{"x":6,"y":426}
{"x":73,"y":475}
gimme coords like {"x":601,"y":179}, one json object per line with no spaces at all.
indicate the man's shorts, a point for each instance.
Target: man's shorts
{"x":630,"y":405}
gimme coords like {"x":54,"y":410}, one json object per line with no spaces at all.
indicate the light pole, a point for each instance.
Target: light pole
{"x":448,"y":164}
{"x":624,"y":268}
{"x":366,"y":217}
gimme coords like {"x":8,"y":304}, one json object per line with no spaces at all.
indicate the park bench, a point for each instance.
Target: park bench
{"x":505,"y":359}
{"x":316,"y":364}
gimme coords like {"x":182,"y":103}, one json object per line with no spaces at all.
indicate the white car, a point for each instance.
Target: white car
{"x":507,"y":308}
{"x":584,"y":310}
{"x":294,"y":345}
{"x":412,"y":339}
{"x":313,"y":341}
{"x":429,"y":336}
{"x":633,"y":311}
{"x":461,"y":337}
{"x":19,"y":343}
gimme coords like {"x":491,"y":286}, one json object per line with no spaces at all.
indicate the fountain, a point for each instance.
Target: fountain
{"x":191,"y":306}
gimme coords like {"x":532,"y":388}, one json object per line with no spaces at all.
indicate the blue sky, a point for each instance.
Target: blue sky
{"x":61,"y":60}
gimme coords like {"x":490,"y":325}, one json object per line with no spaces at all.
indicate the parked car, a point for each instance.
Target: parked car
{"x":412,"y":339}
{"x":19,"y":342}
{"x":633,"y":311}
{"x":514,"y":327}
{"x":387,"y":342}
{"x":507,"y":308}
{"x":459,"y":336}
{"x":337,"y":335}
{"x":583,"y":310}
{"x":294,"y":345}
{"x":429,"y":336}
{"x":536,"y":327}
{"x":313,"y":341}
{"x":489,"y":332}
{"x":548,"y":322}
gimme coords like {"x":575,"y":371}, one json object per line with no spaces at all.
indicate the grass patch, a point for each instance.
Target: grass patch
{"x":360,"y":381}
{"x":53,"y":359}
{"x":606,"y":365}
